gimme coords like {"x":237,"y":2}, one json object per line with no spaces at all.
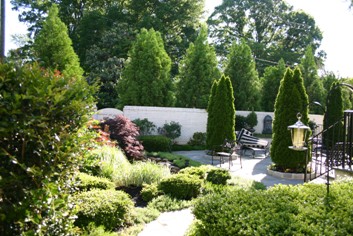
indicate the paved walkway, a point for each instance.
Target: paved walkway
{"x":176,"y":223}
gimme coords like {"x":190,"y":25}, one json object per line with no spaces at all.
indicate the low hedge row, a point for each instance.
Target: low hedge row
{"x":280,"y":210}
{"x":155,"y":143}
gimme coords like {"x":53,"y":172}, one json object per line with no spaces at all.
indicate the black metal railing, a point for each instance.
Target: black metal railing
{"x":332,"y":148}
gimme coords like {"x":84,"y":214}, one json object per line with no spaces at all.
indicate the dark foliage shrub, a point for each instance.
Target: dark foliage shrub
{"x":145,"y":126}
{"x":125,"y":133}
{"x":240,"y":122}
{"x":149,"y":191}
{"x":251,"y":119}
{"x":155,"y":143}
{"x":41,"y":142}
{"x":181,"y":186}
{"x":88,"y":182}
{"x":171,"y":130}
{"x":280,"y":210}
{"x":198,"y":139}
{"x":218,"y":176}
{"x":109,"y":208}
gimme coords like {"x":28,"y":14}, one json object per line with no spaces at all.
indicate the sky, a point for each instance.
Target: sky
{"x":332,"y":16}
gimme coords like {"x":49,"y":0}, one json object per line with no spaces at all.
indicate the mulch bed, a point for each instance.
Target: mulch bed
{"x":134,"y":192}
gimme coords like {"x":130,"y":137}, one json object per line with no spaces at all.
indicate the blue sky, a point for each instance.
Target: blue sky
{"x":332,"y":16}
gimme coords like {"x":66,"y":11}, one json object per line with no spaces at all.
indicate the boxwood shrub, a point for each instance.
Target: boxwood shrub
{"x":155,"y":143}
{"x":109,"y":208}
{"x":180,"y":186}
{"x":218,"y":176}
{"x":280,"y":210}
{"x":149,"y":191}
{"x":88,"y":182}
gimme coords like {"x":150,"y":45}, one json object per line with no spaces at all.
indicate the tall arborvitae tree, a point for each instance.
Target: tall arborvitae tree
{"x":146,"y":79}
{"x":197,"y":72}
{"x":312,"y":82}
{"x":212,"y":117}
{"x":221,"y":120}
{"x":271,"y":81}
{"x":242,"y":72}
{"x":53,"y":46}
{"x":333,"y":114}
{"x":291,"y":99}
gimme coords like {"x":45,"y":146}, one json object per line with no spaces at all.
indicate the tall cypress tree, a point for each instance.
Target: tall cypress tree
{"x":334,"y":113}
{"x":242,"y":72}
{"x":211,"y":118}
{"x":271,"y":80}
{"x":221,"y":120}
{"x":291,"y":99}
{"x":146,"y":78}
{"x":53,"y":46}
{"x":197,"y":72}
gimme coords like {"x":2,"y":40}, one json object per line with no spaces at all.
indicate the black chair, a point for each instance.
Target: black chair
{"x":229,"y":150}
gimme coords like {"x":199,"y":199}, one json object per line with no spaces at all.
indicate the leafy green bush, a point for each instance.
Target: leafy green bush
{"x":198,"y":139}
{"x":218,"y":176}
{"x":149,"y":191}
{"x":155,"y":143}
{"x":166,"y":203}
{"x":109,"y":208}
{"x":280,"y":210}
{"x":171,"y":130}
{"x":89,"y":182}
{"x":251,"y":119}
{"x":146,"y":127}
{"x":41,"y":143}
{"x":181,"y":186}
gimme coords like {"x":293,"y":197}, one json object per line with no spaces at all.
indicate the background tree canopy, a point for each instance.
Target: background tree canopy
{"x":270,"y":27}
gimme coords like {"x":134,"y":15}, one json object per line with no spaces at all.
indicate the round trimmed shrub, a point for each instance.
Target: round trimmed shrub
{"x":149,"y":191}
{"x":181,"y":186}
{"x":200,"y":171}
{"x":155,"y":143}
{"x":218,"y":176}
{"x":109,"y":208}
{"x":88,"y":182}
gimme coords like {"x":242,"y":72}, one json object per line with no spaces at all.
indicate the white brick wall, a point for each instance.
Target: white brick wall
{"x":191,"y":120}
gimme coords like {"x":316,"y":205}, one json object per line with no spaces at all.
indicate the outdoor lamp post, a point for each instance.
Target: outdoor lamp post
{"x":298,"y":134}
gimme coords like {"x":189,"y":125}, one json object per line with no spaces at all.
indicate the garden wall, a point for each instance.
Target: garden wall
{"x":191,"y":119}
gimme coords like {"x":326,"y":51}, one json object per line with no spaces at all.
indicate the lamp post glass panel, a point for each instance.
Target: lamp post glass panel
{"x":298,"y":134}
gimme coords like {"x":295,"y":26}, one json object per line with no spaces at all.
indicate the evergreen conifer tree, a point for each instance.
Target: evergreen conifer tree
{"x":245,"y":81}
{"x":221,"y":120}
{"x":333,"y":114}
{"x":197,"y":72}
{"x":146,"y":78}
{"x":271,"y":80}
{"x":291,"y":99}
{"x":312,"y":82}
{"x":53,"y":46}
{"x":211,"y":118}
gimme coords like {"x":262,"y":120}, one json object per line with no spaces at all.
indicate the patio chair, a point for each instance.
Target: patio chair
{"x":229,"y":150}
{"x":249,"y":142}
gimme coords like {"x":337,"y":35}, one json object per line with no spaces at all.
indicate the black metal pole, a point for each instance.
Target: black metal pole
{"x":306,"y":165}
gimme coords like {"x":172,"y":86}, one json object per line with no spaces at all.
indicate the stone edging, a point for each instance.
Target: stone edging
{"x":284,"y":175}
